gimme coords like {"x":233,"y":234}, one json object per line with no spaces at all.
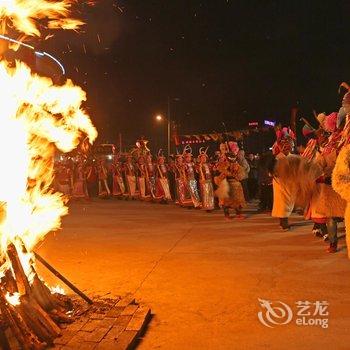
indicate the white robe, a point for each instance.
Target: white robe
{"x":283,"y":198}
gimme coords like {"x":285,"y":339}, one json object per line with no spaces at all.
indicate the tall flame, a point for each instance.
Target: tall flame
{"x":36,"y":118}
{"x":23,"y":15}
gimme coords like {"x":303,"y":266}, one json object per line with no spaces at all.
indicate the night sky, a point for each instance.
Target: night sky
{"x":222,"y":60}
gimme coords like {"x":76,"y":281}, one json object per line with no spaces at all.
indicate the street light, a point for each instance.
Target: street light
{"x":160,"y":118}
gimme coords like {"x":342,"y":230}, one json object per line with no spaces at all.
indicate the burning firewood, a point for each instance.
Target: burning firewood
{"x":38,"y":118}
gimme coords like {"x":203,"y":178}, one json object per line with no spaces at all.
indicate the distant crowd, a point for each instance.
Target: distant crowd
{"x":228,"y":180}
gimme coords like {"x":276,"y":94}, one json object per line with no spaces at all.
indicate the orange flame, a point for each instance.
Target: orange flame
{"x":35,"y":116}
{"x":23,"y":15}
{"x":36,"y":119}
{"x":13,"y":299}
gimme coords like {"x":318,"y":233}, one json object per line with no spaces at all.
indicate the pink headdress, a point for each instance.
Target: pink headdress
{"x":233,"y":147}
{"x":330,"y":122}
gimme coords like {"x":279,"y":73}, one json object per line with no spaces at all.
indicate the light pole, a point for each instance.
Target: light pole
{"x":160,"y":118}
{"x":168,"y":119}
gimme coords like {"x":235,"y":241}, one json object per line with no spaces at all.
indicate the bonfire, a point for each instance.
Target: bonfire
{"x":37,"y":118}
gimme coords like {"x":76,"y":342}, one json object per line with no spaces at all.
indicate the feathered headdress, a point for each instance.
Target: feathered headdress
{"x":203,"y":151}
{"x":283,"y":136}
{"x":187,"y":150}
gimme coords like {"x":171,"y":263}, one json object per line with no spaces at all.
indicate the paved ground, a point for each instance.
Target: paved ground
{"x":202,"y":276}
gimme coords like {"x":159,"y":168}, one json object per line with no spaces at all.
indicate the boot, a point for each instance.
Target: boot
{"x":227,"y":213}
{"x":284,"y":225}
{"x":333,"y":247}
{"x":316,"y":230}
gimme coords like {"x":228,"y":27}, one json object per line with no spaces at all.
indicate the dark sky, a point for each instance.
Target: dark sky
{"x":225,"y":61}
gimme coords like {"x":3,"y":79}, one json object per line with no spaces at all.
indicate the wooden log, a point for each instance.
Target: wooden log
{"x":44,"y":297}
{"x":3,"y":340}
{"x":41,"y":292}
{"x":60,"y":317}
{"x":38,"y":320}
{"x":63,"y":279}
{"x":21,"y":278}
{"x":31,"y":311}
{"x":24,"y":336}
{"x":9,"y":282}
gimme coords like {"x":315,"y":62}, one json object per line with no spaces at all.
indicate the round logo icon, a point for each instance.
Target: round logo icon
{"x":274,"y":313}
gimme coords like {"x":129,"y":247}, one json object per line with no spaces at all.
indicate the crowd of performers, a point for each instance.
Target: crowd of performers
{"x":315,"y":178}
{"x":318,"y":178}
{"x":225,"y":180}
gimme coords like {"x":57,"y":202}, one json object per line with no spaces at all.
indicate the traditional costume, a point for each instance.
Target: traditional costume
{"x":151,"y":177}
{"x":341,"y":171}
{"x":119,"y":189}
{"x":183,"y":195}
{"x":283,"y":196}
{"x":162,"y":180}
{"x":130,"y":177}
{"x":64,"y":179}
{"x":205,"y":181}
{"x":310,"y":153}
{"x":341,"y":184}
{"x":228,"y":179}
{"x":103,"y":188}
{"x":142,"y":179}
{"x":191,"y":177}
{"x":79,"y":184}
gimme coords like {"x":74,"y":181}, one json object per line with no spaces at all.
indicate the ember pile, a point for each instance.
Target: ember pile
{"x":37,"y":117}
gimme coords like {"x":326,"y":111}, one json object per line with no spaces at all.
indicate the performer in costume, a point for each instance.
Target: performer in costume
{"x":162,"y":179}
{"x":191,"y":177}
{"x":130,"y":176}
{"x":79,"y":185}
{"x":327,"y":201}
{"x":283,"y":197}
{"x":119,"y":189}
{"x":183,"y":195}
{"x":142,"y":178}
{"x":91,"y":179}
{"x":171,"y":177}
{"x":228,"y":179}
{"x":151,"y":177}
{"x":315,"y":139}
{"x":205,"y":181}
{"x":341,"y":176}
{"x":341,"y":173}
{"x":103,"y":188}
{"x":64,"y":179}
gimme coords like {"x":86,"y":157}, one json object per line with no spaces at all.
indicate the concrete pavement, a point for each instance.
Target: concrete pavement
{"x":202,"y":276}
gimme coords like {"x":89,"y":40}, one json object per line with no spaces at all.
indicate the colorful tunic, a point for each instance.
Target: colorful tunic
{"x":79,"y":185}
{"x":144,"y":186}
{"x":183,"y":195}
{"x":64,"y":180}
{"x":162,"y":183}
{"x":130,"y":176}
{"x":119,"y":189}
{"x":192,"y":184}
{"x":103,"y":189}
{"x":206,"y":186}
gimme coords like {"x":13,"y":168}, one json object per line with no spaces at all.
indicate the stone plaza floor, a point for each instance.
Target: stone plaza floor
{"x":203,"y":276}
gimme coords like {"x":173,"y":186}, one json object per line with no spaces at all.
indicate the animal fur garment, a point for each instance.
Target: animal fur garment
{"x":328,"y":202}
{"x":223,"y":190}
{"x":299,"y":176}
{"x":341,"y":184}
